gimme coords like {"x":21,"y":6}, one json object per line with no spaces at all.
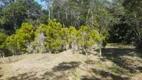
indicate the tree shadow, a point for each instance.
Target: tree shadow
{"x":106,"y":75}
{"x":55,"y":76}
{"x":115,"y":52}
{"x":86,"y":78}
{"x":90,"y":62}
{"x":5,"y":52}
{"x":60,"y":71}
{"x":25,"y":76}
{"x":117,"y":55}
{"x":47,"y":75}
{"x":66,"y":66}
{"x":1,"y":75}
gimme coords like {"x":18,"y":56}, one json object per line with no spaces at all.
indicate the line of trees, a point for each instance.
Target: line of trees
{"x":50,"y":38}
{"x":24,"y":24}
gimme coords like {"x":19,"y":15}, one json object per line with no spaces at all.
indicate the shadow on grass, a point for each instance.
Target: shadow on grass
{"x":85,"y":78}
{"x":59,"y":72}
{"x":90,"y":62}
{"x":117,"y":55}
{"x":49,"y":74}
{"x":110,"y":73}
{"x":1,"y":75}
{"x":66,"y":66}
{"x":107,"y":75}
{"x":115,"y":52}
{"x":25,"y":76}
{"x":32,"y":76}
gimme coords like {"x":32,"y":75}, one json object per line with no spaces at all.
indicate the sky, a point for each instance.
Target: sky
{"x":1,"y":3}
{"x":42,"y":3}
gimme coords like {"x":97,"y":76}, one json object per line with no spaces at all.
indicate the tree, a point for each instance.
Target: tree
{"x":53,"y":41}
{"x":17,"y":43}
{"x":64,"y":33}
{"x":40,"y":37}
{"x":134,"y":18}
{"x":13,"y":15}
{"x":2,"y":39}
{"x":88,"y":37}
{"x":18,"y":11}
{"x":85,"y":38}
{"x":73,"y":39}
{"x":71,"y":12}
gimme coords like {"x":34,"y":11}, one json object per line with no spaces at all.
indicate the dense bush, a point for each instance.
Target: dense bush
{"x":17,"y":43}
{"x":51,"y":38}
{"x":2,"y":37}
{"x":88,"y":37}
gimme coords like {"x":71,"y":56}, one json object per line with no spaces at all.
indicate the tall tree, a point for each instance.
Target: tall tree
{"x":134,"y":18}
{"x":17,"y":11}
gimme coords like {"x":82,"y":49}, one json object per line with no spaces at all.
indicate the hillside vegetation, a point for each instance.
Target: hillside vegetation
{"x":70,"y":39}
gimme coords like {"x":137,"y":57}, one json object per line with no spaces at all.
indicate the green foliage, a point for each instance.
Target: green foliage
{"x":84,"y":35}
{"x":72,"y":37}
{"x":134,"y":18}
{"x":15,"y":12}
{"x":2,"y":37}
{"x":10,"y":44}
{"x":24,"y":35}
{"x":88,"y":37}
{"x":17,"y":43}
{"x":57,"y":38}
{"x":41,"y":28}
{"x":53,"y":40}
{"x":64,"y":37}
{"x":122,"y":18}
{"x":13,"y":15}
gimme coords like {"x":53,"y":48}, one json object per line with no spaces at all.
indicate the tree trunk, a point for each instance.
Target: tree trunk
{"x":49,"y":12}
{"x":100,"y":49}
{"x":2,"y":54}
{"x":86,"y":53}
{"x":139,"y":43}
{"x":50,"y":52}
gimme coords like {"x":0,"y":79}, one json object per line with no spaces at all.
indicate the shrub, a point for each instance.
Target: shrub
{"x":53,"y":39}
{"x":39,"y":41}
{"x":17,"y":43}
{"x":64,"y":33}
{"x":2,"y":37}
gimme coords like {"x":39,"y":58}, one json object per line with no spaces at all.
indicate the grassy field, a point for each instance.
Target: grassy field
{"x":119,"y":62}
